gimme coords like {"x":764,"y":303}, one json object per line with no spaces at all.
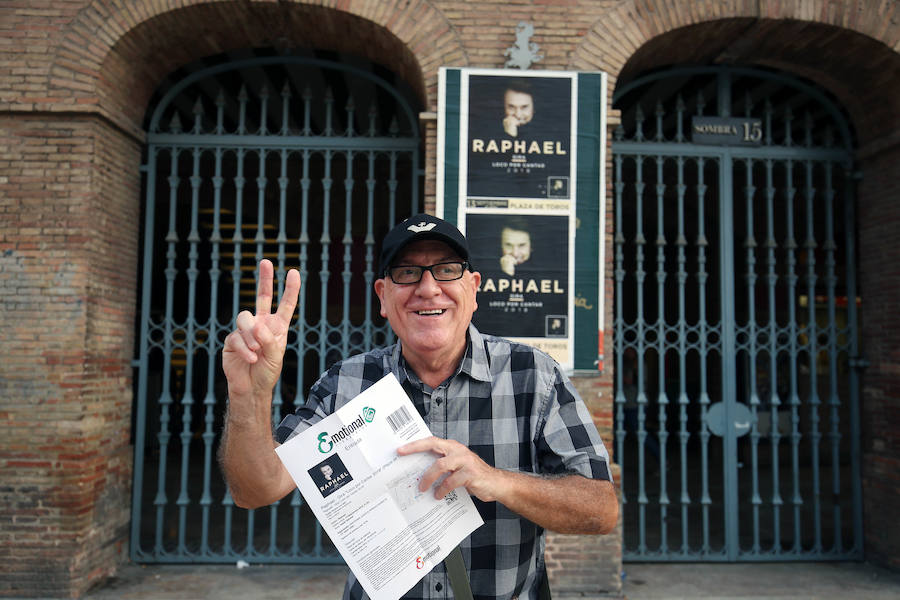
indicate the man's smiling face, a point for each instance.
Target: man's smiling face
{"x":430,"y":317}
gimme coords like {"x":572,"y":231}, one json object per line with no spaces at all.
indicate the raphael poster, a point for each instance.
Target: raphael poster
{"x":520,"y":175}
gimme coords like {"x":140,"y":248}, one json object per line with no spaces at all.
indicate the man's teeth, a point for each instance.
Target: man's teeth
{"x":436,"y":311}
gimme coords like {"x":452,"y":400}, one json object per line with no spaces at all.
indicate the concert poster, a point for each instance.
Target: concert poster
{"x":524,"y":265}
{"x":520,"y":172}
{"x":519,"y":142}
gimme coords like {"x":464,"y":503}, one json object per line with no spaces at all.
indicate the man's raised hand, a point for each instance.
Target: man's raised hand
{"x":254,"y":352}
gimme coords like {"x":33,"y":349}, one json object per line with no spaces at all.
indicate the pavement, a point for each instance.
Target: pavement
{"x":657,"y":581}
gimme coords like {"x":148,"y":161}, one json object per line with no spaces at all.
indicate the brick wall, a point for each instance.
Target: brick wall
{"x":580,"y":565}
{"x":75,"y":79}
{"x":879,"y":219}
{"x":585,"y":565}
{"x":67,"y":273}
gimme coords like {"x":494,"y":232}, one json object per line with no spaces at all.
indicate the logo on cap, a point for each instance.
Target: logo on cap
{"x":422,"y":227}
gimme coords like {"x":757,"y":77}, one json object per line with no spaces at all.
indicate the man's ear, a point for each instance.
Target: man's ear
{"x":379,"y":290}
{"x":476,"y":280}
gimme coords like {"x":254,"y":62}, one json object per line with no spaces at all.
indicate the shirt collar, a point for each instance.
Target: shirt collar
{"x":475,"y":362}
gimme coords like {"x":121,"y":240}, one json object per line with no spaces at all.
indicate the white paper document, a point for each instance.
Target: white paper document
{"x":367,"y":497}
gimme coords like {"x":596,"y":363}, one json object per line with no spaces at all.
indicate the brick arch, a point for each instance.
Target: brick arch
{"x":860,"y":47}
{"x":618,"y":34}
{"x":111,"y":60}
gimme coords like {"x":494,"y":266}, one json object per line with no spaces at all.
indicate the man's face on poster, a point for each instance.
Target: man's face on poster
{"x":516,"y":243}
{"x":327,"y":471}
{"x":519,"y":105}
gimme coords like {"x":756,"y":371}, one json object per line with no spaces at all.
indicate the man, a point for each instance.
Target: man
{"x":515,"y":244}
{"x":508,"y":425}
{"x":518,"y":106}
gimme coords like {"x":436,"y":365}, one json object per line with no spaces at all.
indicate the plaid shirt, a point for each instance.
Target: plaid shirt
{"x":511,"y":405}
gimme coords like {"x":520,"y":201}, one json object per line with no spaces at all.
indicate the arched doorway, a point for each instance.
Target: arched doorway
{"x":302,"y":159}
{"x":736,"y":319}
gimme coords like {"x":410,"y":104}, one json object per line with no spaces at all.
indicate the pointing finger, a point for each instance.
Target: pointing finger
{"x":264,"y":288}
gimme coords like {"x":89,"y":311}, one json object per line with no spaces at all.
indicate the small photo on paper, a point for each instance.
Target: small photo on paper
{"x":330,"y":475}
{"x":556,"y":325}
{"x":557,"y":187}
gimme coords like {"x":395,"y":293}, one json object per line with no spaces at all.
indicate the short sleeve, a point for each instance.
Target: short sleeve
{"x":568,"y":441}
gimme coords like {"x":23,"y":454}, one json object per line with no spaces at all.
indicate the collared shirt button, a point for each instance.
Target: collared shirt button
{"x":438,"y":586}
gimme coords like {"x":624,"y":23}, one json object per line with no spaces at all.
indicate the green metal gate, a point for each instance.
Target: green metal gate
{"x":736,"y":319}
{"x":301,"y":160}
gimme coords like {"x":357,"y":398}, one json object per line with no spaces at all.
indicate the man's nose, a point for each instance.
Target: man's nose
{"x":428,"y":285}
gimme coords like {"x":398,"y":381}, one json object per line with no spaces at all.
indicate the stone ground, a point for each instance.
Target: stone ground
{"x":669,"y":581}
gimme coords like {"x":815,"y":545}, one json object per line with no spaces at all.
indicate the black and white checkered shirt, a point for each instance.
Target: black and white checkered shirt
{"x":510,"y":404}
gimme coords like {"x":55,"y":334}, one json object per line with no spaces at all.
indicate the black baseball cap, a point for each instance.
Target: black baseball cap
{"x":420,"y":227}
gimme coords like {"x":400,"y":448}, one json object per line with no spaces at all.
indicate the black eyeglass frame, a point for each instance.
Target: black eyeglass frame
{"x":430,"y":268}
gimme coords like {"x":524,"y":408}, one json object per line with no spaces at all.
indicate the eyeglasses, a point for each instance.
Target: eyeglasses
{"x":445,"y":271}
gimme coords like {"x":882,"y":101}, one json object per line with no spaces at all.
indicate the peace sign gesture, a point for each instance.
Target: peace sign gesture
{"x":254,"y":352}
